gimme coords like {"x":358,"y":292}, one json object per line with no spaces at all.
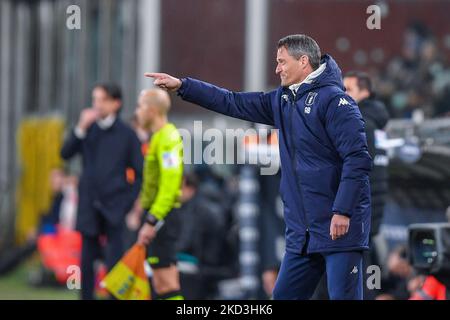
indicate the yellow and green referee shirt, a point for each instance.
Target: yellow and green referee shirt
{"x":163,"y":172}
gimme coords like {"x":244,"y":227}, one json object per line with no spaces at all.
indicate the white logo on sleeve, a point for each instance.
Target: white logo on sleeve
{"x":343,"y":102}
{"x":355,"y":270}
{"x":170,"y":159}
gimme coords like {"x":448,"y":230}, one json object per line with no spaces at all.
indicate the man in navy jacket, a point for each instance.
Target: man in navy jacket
{"x":108,"y":147}
{"x":324,"y":165}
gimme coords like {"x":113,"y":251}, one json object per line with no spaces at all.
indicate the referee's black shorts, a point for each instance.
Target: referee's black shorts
{"x":161,"y":252}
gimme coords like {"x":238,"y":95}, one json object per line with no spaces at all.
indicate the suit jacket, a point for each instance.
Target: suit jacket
{"x":104,"y":191}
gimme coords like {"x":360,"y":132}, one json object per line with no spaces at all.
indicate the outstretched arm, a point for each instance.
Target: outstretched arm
{"x":250,"y":106}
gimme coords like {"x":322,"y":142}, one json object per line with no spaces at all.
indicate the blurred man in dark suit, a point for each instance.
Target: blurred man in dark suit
{"x":108,"y":147}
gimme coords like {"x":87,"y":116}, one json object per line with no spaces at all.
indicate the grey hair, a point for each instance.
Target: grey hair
{"x":298,"y":45}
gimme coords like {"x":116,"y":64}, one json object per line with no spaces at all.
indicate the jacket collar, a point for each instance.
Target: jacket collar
{"x":309,"y":79}
{"x":107,"y":122}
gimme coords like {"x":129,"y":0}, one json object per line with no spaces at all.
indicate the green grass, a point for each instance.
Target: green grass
{"x":15,"y":285}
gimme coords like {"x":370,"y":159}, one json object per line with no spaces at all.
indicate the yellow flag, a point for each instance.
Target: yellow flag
{"x":127,"y":280}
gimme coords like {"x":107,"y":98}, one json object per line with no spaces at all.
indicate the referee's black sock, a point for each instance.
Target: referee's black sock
{"x":171,"y":295}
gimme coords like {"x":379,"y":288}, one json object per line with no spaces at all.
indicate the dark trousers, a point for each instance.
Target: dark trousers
{"x":369,"y":258}
{"x":92,"y":250}
{"x":299,"y":275}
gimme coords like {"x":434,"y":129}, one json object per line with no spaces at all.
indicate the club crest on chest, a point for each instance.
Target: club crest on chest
{"x":309,"y":101}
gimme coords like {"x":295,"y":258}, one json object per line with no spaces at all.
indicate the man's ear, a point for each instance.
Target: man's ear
{"x":304,"y":61}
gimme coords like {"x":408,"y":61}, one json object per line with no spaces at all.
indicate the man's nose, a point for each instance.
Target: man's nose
{"x":277,"y":70}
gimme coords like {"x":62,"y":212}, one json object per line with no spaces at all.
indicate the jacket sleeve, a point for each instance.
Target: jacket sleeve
{"x":136,"y":162}
{"x":170,"y":162}
{"x":345,"y":127}
{"x":71,"y":146}
{"x":250,"y":106}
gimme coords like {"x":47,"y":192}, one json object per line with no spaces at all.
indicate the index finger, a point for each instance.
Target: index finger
{"x":153,"y":75}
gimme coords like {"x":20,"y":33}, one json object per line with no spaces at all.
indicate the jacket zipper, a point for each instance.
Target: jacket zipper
{"x":294,"y":158}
